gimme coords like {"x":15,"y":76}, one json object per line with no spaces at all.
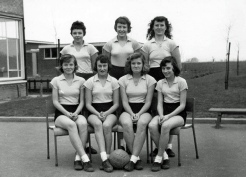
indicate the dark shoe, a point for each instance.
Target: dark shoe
{"x":88,"y":167}
{"x":138,"y":165}
{"x":165,"y":164}
{"x":129,"y":166}
{"x":107,"y":166}
{"x":170,"y":153}
{"x":155,"y":152}
{"x":78,"y":165}
{"x":156,"y":167}
{"x":122,"y":147}
{"x":93,"y":151}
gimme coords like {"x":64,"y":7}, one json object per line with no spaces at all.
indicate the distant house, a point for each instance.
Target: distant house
{"x":12,"y":55}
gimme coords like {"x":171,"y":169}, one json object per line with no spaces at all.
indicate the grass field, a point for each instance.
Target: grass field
{"x":207,"y":86}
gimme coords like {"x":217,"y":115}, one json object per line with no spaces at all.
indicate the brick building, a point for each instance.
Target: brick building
{"x":12,"y":55}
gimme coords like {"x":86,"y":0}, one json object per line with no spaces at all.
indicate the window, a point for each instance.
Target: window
{"x":11,"y":49}
{"x":50,"y":53}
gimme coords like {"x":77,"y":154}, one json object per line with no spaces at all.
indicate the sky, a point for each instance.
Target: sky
{"x":200,"y":27}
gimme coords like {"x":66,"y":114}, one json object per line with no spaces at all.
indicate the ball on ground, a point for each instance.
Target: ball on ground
{"x":119,"y":158}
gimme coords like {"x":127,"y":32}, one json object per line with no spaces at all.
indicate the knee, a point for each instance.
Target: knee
{"x":82,"y":124}
{"x":72,"y":125}
{"x":107,"y":127}
{"x":97,"y":125}
{"x":152,"y":126}
{"x":165,"y":128}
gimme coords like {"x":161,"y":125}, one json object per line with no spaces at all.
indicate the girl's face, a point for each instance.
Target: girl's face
{"x":159,"y":28}
{"x":102,"y":68}
{"x":137,"y":65}
{"x":78,"y":35}
{"x":121,"y":29}
{"x":168,"y":70}
{"x":68,"y":67}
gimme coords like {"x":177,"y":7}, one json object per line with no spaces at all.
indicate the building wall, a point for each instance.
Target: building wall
{"x":14,"y":7}
{"x":9,"y":89}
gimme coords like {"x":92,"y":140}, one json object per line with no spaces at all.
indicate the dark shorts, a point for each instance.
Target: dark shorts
{"x":156,"y":73}
{"x":170,"y":107}
{"x":136,"y":107}
{"x":69,"y":108}
{"x":117,"y":71}
{"x":102,"y":106}
{"x":85,"y":75}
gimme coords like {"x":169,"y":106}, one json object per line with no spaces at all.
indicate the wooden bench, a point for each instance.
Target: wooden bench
{"x":221,"y":111}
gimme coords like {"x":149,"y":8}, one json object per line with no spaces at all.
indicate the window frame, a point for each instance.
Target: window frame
{"x":20,"y":50}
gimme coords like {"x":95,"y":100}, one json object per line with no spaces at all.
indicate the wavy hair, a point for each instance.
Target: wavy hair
{"x":78,"y":25}
{"x":66,"y":59}
{"x":128,"y":69}
{"x":171,"y":60}
{"x":150,"y":31}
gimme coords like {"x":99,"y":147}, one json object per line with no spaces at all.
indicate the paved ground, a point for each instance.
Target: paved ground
{"x":23,"y":153}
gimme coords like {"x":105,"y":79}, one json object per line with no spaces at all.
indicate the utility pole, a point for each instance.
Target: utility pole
{"x":227,"y":67}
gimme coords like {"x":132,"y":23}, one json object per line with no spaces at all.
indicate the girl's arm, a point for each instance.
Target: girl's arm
{"x":176,"y":54}
{"x":104,"y":52}
{"x":148,"y":100}
{"x":93,"y":60}
{"x":146,"y":56}
{"x":81,"y":102}
{"x":57,"y":104}
{"x":125,"y":102}
{"x":115,"y":103}
{"x":88,"y":99}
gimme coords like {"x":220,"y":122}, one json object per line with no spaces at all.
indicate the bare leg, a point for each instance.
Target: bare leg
{"x":107,"y":130}
{"x":97,"y":125}
{"x":82,"y":127}
{"x":166,"y":126}
{"x":141,"y":133}
{"x":66,"y":123}
{"x":128,"y":133}
{"x":154,"y":130}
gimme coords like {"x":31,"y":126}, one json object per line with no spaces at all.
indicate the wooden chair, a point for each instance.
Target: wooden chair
{"x":190,"y":107}
{"x":120,"y":130}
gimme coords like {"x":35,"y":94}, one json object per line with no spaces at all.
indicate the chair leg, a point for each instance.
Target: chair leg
{"x":114,"y":140}
{"x":55,"y":139}
{"x":48,"y":144}
{"x":89,"y":138}
{"x":147,"y":144}
{"x":151,"y":149}
{"x":194,"y":134}
{"x":179,"y":163}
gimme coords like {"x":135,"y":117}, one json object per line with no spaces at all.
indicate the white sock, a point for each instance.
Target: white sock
{"x":122,"y":142}
{"x":165,"y":156}
{"x":103,"y":156}
{"x":134,"y":158}
{"x":77,"y":157}
{"x":85,"y":158}
{"x":87,"y":144}
{"x":158,"y":159}
{"x":169,"y":146}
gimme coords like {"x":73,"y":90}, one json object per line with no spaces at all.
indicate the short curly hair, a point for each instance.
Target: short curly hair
{"x":123,"y":20}
{"x":78,"y":25}
{"x":103,"y":59}
{"x":150,"y":31}
{"x":128,"y":69}
{"x":171,"y":60}
{"x":67,"y":58}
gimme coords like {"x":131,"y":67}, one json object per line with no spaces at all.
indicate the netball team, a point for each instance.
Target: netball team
{"x":135,"y":86}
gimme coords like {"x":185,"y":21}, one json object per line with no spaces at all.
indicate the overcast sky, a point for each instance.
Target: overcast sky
{"x":199,"y":26}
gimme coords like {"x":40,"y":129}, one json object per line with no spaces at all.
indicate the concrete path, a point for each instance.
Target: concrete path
{"x":23,"y":153}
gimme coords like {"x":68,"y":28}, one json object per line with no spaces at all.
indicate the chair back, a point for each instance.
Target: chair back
{"x":190,"y":107}
{"x":50,"y":109}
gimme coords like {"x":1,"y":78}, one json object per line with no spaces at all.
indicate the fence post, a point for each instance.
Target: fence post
{"x":18,"y":90}
{"x":41,"y":89}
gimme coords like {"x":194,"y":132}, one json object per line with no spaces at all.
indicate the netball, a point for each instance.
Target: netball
{"x":119,"y":158}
